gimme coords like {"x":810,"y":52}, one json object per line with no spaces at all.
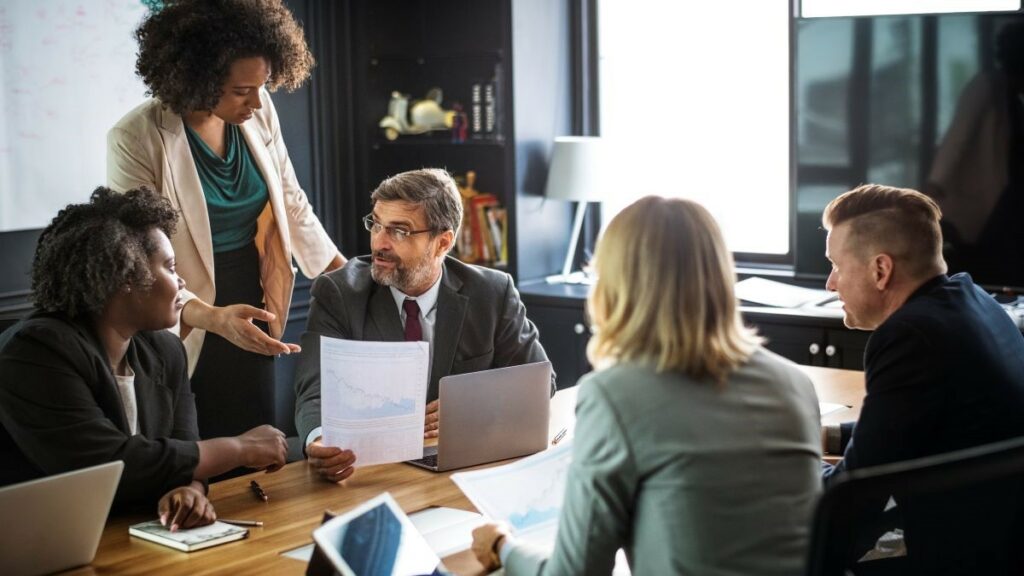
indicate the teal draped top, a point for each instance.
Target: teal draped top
{"x":233,"y":186}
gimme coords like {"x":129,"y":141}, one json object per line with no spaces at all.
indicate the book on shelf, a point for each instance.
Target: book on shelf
{"x":489,"y":108}
{"x":483,"y":244}
{"x":191,"y":539}
{"x":483,"y":238}
{"x":497,"y":221}
{"x":476,"y":110}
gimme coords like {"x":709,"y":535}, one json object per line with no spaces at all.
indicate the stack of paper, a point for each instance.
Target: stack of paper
{"x":772,"y":293}
{"x":447,"y":530}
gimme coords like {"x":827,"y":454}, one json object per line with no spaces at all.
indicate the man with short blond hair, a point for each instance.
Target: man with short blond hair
{"x":944,"y":368}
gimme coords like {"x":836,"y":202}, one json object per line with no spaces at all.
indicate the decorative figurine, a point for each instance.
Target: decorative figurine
{"x":425,"y":115}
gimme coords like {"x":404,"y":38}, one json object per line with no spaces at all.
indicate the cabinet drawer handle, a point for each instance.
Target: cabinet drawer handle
{"x":814,"y":348}
{"x":830,"y":350}
{"x":579,"y":328}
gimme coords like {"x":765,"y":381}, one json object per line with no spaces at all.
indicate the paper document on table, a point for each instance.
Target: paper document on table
{"x":373,"y":397}
{"x":526,"y":494}
{"x":772,"y":293}
{"x":446,"y":530}
{"x":826,"y":408}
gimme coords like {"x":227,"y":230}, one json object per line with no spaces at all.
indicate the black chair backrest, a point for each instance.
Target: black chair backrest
{"x":962,"y":511}
{"x":6,"y":321}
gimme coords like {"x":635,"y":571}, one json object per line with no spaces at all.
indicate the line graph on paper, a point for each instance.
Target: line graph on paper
{"x":543,"y":505}
{"x":367,"y":381}
{"x":367,"y":398}
{"x":527,"y":494}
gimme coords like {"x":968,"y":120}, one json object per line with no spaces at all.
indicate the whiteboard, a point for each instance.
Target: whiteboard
{"x":68,"y":75}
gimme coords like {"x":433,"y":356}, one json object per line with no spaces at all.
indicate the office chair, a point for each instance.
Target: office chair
{"x":7,"y":320}
{"x":962,"y":513}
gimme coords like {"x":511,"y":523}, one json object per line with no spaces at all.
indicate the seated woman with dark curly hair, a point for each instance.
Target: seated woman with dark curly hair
{"x":92,"y":375}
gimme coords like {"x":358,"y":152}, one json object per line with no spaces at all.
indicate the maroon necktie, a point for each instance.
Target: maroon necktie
{"x":413,"y":330}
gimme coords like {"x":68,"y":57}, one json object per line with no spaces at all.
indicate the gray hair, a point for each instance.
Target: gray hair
{"x":432,"y":188}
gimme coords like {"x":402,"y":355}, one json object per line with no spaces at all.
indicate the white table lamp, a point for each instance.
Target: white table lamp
{"x":579,"y":172}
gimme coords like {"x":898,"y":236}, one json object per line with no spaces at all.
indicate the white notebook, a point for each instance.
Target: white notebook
{"x":190,"y":539}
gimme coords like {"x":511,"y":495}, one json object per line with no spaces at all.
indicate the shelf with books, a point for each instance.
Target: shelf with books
{"x":483,"y":238}
{"x":466,"y":50}
{"x":435,"y":140}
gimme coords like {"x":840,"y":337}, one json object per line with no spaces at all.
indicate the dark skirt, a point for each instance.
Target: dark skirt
{"x":234,"y":388}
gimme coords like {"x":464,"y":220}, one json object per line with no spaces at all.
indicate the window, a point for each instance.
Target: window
{"x":695,"y":98}
{"x":825,"y":8}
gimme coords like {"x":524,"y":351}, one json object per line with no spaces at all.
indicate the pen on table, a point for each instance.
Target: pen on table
{"x":242,"y":522}
{"x":558,"y":437}
{"x":258,"y":491}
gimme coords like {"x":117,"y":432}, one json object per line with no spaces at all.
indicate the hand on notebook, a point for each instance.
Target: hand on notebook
{"x":433,"y":421}
{"x":330,"y":462}
{"x":185,"y":507}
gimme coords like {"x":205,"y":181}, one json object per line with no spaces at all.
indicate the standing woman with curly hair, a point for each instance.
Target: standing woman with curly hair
{"x":210,"y":141}
{"x":93,"y":375}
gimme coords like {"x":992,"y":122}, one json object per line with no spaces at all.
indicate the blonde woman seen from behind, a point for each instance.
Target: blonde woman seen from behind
{"x":696,"y":450}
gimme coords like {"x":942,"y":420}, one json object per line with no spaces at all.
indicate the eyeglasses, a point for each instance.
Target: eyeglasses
{"x":396,"y":233}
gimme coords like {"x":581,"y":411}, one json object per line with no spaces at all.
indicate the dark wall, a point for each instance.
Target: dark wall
{"x":540,"y":66}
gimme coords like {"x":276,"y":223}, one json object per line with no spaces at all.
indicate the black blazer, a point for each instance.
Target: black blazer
{"x":60,"y":409}
{"x":480,"y":324}
{"x":944,"y":372}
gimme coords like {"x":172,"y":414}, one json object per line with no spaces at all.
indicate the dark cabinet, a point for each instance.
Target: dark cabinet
{"x":564,"y":334}
{"x":810,"y":340}
{"x":558,"y":313}
{"x":805,"y":338}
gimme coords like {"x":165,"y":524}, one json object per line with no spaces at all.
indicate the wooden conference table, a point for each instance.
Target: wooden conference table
{"x":298,"y":499}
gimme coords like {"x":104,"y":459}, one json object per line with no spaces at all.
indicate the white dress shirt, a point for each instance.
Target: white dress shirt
{"x":126,"y":388}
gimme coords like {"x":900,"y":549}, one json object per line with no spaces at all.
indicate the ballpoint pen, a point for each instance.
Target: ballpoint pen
{"x":558,"y":437}
{"x":258,"y":491}
{"x":241,"y":522}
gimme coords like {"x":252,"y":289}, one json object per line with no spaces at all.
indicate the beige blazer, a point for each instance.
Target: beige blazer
{"x":149,"y":147}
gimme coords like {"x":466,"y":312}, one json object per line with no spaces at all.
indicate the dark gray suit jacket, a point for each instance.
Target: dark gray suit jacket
{"x":60,"y":409}
{"x":480,"y":324}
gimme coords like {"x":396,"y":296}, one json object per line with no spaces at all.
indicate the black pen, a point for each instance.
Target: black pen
{"x":258,"y":491}
{"x":558,"y":437}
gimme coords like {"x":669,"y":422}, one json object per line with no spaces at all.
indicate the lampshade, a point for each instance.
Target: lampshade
{"x":581,"y":170}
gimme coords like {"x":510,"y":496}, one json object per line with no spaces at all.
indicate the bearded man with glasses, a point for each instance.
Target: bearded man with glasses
{"x":408,"y":288}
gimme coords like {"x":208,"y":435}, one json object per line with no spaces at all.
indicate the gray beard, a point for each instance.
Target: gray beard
{"x":403,"y":279}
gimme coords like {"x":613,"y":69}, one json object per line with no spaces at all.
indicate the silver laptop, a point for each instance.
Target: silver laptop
{"x":59,"y":519}
{"x":491,"y":415}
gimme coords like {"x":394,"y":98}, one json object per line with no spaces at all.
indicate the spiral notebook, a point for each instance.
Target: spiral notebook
{"x":191,"y":539}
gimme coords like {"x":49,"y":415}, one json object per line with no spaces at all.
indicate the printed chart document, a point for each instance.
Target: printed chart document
{"x":373,"y":398}
{"x":526,"y":494}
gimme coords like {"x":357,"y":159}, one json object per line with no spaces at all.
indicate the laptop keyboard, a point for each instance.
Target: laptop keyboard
{"x":428,"y":460}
